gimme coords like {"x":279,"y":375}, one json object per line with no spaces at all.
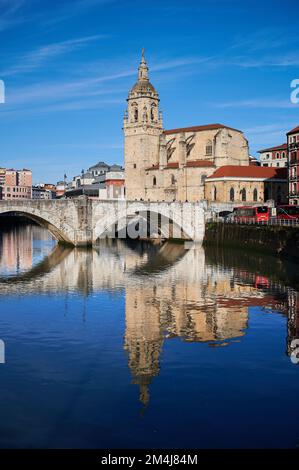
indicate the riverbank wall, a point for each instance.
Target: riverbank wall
{"x":282,"y":241}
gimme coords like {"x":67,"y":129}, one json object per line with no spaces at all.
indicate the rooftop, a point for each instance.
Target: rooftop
{"x":99,"y":165}
{"x":272,"y":149}
{"x":293,"y":131}
{"x":249,"y":172}
{"x":206,"y":127}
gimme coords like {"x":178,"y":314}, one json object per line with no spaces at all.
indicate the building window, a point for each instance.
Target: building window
{"x":134,"y":165}
{"x":153,"y":111}
{"x":255,"y":195}
{"x":173,"y":181}
{"x":136,"y":114}
{"x":154,"y":181}
{"x":243,"y":194}
{"x":215,"y":193}
{"x":209,"y":148}
{"x":232,"y":194}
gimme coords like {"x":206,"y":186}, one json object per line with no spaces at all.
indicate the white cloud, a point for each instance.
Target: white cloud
{"x":39,"y":56}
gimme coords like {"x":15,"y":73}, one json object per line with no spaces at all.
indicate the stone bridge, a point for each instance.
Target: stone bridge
{"x":83,"y":221}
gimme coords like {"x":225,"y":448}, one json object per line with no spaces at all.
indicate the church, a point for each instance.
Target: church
{"x":181,"y":164}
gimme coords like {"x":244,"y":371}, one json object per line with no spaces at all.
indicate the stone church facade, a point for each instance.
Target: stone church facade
{"x":167,"y":165}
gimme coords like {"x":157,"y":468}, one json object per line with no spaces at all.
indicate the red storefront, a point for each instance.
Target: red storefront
{"x":293,"y":160}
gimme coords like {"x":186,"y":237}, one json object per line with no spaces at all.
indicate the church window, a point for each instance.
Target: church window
{"x":215,"y":194}
{"x":232,"y":194}
{"x":209,"y":148}
{"x":153,"y":106}
{"x":255,"y":195}
{"x":136,"y":114}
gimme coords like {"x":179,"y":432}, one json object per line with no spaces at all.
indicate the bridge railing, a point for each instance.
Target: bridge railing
{"x":271,"y":221}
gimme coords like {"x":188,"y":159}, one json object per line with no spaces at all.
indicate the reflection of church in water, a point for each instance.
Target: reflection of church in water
{"x":170,"y":293}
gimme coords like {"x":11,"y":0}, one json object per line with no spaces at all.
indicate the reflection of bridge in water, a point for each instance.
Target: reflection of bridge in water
{"x":170,"y":293}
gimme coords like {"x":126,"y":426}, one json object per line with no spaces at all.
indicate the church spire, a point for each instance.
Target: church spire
{"x":143,"y":68}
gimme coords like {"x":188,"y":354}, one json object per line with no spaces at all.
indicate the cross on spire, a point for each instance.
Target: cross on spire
{"x":143,"y":68}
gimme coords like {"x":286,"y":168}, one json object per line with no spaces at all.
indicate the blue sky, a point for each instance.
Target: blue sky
{"x":68,"y":65}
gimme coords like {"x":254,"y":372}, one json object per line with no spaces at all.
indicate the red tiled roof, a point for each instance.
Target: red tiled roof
{"x":272,"y":149}
{"x":207,"y":127}
{"x":172,"y":165}
{"x":199,"y":163}
{"x":250,"y":172}
{"x":293,"y":131}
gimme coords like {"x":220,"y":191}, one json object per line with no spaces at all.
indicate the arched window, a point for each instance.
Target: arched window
{"x":173,"y":180}
{"x":255,"y":195}
{"x":153,"y":111}
{"x":209,"y":148}
{"x":136,"y":114}
{"x":215,"y":193}
{"x":243,"y":194}
{"x":232,"y":194}
{"x":154,"y":181}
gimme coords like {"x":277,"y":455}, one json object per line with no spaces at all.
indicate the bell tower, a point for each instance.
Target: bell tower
{"x":142,"y":129}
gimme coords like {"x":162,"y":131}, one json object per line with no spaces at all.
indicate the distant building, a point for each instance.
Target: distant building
{"x":293,"y":158}
{"x":93,"y":173}
{"x":15,"y":184}
{"x":253,"y":161}
{"x":108,"y":185}
{"x":61,"y":187}
{"x":41,"y":193}
{"x":275,"y":156}
{"x":99,"y":169}
{"x":99,"y":181}
{"x":247,"y":184}
{"x":44,"y":191}
{"x":114,"y":185}
{"x":49,"y":186}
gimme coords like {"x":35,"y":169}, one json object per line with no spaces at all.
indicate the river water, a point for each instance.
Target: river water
{"x":139,"y":345}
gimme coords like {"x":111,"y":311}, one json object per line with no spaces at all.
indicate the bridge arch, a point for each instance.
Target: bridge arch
{"x":44,"y":219}
{"x":132,"y":213}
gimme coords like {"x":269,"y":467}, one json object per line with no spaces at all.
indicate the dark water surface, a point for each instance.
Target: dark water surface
{"x":135,"y":345}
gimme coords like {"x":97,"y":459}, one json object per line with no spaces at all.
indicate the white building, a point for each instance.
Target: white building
{"x":275,"y":156}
